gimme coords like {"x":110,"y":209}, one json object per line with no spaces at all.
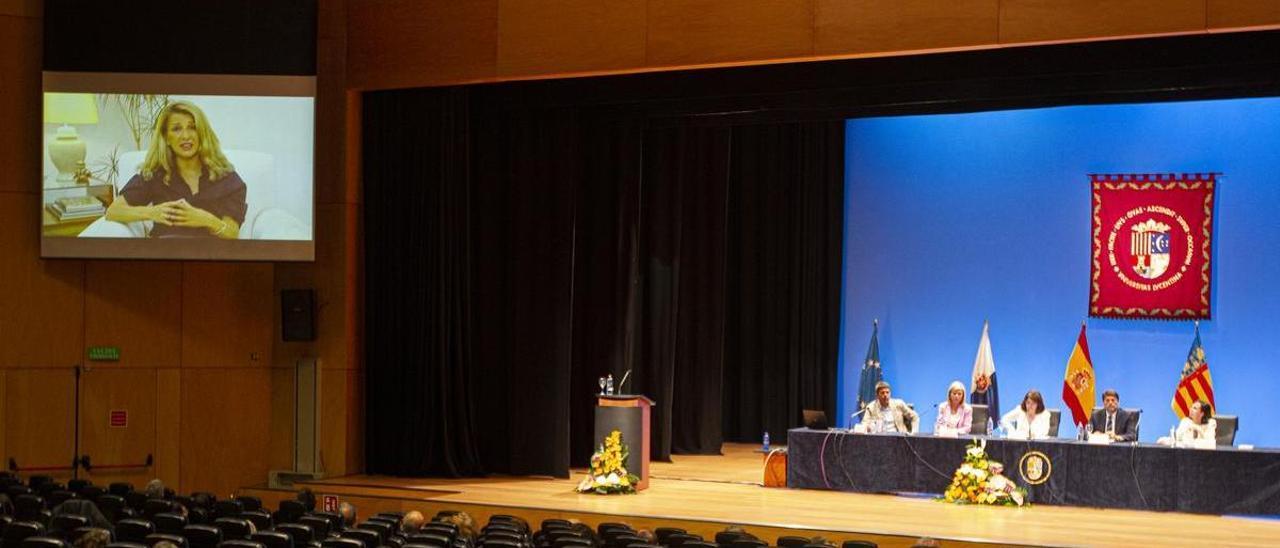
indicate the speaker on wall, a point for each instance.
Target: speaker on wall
{"x":297,"y":314}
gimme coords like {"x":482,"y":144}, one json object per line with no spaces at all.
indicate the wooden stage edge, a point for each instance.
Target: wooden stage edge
{"x":704,"y":494}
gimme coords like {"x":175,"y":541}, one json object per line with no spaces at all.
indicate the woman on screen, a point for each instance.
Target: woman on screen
{"x":955,"y":417}
{"x":185,"y":185}
{"x":1028,"y":421}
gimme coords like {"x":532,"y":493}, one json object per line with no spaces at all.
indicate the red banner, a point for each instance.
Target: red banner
{"x":1151,"y":246}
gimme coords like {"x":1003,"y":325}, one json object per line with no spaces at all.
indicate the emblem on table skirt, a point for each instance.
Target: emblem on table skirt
{"x":1035,"y":467}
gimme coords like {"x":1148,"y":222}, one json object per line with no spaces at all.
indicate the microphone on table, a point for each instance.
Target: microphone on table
{"x":865,"y":406}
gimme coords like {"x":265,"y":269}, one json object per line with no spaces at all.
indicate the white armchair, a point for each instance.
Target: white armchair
{"x":263,"y":220}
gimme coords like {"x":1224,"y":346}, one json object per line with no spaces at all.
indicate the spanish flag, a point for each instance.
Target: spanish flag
{"x":1196,"y":383}
{"x":1078,"y":383}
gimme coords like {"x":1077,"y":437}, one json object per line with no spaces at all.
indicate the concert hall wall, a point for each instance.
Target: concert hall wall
{"x":958,"y":218}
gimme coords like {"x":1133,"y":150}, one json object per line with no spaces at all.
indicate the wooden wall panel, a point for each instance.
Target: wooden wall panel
{"x":4,"y":427}
{"x":227,"y":314}
{"x":39,"y":417}
{"x":1041,"y":20}
{"x":280,"y":444}
{"x":169,"y":427}
{"x":333,"y":421}
{"x":102,"y":390}
{"x":550,"y":36}
{"x":22,"y":8}
{"x":225,"y":425}
{"x":20,"y":114}
{"x":859,"y":26}
{"x":43,"y":300}
{"x":404,"y":43}
{"x":685,"y":32}
{"x":136,"y":306}
{"x":1243,"y":13}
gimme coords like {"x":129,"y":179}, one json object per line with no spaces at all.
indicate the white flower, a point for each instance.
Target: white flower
{"x":613,"y":479}
{"x":1017,"y":497}
{"x":973,"y":451}
{"x":966,"y":469}
{"x":980,"y":474}
{"x":586,"y":484}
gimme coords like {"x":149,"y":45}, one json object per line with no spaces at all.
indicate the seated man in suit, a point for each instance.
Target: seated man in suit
{"x":889,"y":415}
{"x":1117,"y":424}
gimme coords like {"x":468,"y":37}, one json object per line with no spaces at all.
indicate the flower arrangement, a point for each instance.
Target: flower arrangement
{"x":607,"y":476}
{"x":981,"y":481}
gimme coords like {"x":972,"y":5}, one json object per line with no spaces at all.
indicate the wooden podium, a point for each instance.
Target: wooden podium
{"x":629,"y":414}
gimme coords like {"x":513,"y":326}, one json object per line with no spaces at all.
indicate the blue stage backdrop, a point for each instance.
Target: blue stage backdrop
{"x":953,"y":219}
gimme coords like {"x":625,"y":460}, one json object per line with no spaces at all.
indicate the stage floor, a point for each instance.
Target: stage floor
{"x":706,"y":493}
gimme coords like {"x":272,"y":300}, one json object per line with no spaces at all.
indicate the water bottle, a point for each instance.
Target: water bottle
{"x":608,"y":384}
{"x":990,"y":428}
{"x":766,"y":442}
{"x":1080,"y":435}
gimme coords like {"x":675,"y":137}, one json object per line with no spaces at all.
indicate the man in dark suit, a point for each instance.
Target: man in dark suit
{"x":1116,"y":423}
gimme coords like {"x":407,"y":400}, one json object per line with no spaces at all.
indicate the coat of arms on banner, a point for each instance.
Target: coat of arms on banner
{"x":1151,"y":245}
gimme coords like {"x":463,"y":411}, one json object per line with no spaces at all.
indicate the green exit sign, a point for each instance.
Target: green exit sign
{"x":104,"y":353}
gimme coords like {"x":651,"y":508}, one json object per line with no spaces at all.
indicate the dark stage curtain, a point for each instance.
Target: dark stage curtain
{"x":418,"y":253}
{"x":515,"y":255}
{"x":786,"y":215}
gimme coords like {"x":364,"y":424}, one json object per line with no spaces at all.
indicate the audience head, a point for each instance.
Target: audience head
{"x":883,"y":392}
{"x":164,"y":544}
{"x":647,"y":535}
{"x":1033,"y":399}
{"x":955,"y":394}
{"x":155,"y":489}
{"x":348,"y":513}
{"x":1201,"y":412}
{"x":412,"y":522}
{"x":466,"y":525}
{"x":94,"y":538}
{"x":1110,"y":400}
{"x":308,"y":499}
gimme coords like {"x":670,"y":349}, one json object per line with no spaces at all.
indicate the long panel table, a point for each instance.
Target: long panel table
{"x":1130,"y":475}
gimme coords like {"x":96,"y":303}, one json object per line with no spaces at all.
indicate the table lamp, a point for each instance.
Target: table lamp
{"x":66,"y":149}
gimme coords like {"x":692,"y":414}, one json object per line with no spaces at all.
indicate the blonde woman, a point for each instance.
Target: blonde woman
{"x":955,"y":417}
{"x":185,"y":185}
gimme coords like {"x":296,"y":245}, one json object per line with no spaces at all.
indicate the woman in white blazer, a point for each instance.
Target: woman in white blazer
{"x":1028,"y":421}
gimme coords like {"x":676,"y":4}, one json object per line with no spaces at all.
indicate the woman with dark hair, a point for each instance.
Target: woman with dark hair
{"x":1028,"y":421}
{"x":1198,"y":429}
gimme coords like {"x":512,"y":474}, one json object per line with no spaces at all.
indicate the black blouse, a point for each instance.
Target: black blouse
{"x":223,"y":198}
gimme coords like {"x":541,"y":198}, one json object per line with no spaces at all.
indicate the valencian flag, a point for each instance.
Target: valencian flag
{"x":871,"y":373}
{"x":1196,"y":383}
{"x":983,"y":389}
{"x":1078,"y":383}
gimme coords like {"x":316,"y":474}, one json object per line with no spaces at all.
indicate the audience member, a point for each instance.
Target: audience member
{"x":94,"y":538}
{"x":466,"y":525}
{"x":412,"y":522}
{"x":87,"y":509}
{"x":348,"y":513}
{"x":155,"y":489}
{"x":307,"y":498}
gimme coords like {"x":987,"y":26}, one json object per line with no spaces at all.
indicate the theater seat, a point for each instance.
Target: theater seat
{"x":1228,"y":425}
{"x":233,"y":528}
{"x":273,"y":539}
{"x":240,"y":544}
{"x":260,"y":518}
{"x":134,"y":530}
{"x":168,"y":522}
{"x":63,"y":525}
{"x":156,"y":538}
{"x":202,"y":536}
{"x":126,"y":545}
{"x":41,"y":542}
{"x":319,"y":526}
{"x":18,"y":531}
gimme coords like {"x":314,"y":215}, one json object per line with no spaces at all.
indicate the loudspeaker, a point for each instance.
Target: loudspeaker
{"x":297,"y":314}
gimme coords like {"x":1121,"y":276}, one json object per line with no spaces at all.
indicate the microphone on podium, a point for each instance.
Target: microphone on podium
{"x":625,"y":376}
